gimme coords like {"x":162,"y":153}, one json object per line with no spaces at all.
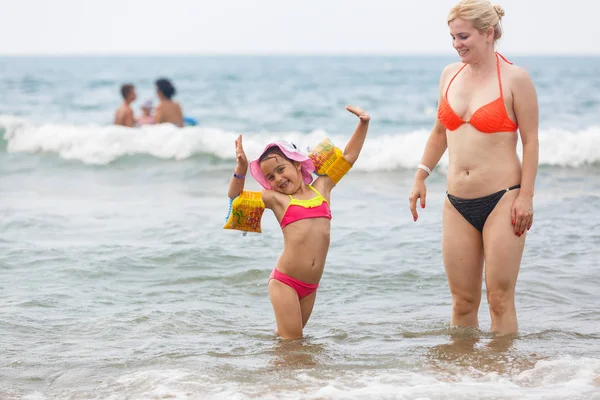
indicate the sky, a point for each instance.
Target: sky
{"x":131,"y":27}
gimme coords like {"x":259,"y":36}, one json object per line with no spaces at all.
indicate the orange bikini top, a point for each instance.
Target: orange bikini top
{"x":490,"y":118}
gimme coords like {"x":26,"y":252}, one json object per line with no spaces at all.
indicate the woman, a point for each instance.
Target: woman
{"x":483,"y":101}
{"x":167,"y":110}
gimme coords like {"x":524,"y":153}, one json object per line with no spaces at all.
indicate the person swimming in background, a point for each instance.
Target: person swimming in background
{"x":304,"y":214}
{"x":167,"y":109}
{"x":146,"y":118}
{"x":124,"y":114}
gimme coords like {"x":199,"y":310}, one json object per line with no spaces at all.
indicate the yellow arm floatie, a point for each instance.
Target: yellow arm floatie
{"x":245,"y":212}
{"x":329,"y":160}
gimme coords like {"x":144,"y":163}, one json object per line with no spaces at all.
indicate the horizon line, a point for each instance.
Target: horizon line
{"x":283,"y":54}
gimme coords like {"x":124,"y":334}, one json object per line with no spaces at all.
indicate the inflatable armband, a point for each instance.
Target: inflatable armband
{"x":245,"y":212}
{"x":329,"y":160}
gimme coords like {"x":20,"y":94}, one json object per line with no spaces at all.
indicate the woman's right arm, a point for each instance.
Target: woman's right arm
{"x":434,"y":150}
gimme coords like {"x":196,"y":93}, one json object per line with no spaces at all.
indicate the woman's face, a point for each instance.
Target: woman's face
{"x":468,"y":41}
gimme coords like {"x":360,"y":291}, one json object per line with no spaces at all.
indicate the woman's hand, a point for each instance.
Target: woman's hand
{"x":522,"y":214}
{"x":418,"y":191}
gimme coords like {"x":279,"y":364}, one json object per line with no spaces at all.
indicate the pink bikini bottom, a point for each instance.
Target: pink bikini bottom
{"x":303,"y":289}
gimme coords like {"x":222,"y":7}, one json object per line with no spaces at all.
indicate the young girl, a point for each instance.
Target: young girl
{"x":146,"y":118}
{"x":303,"y":212}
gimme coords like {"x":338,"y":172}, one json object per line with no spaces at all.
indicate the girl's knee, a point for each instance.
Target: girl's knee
{"x":289,"y":334}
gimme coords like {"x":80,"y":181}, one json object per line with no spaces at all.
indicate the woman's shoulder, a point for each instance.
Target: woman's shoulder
{"x":452,"y":68}
{"x":449,"y":71}
{"x":515,"y":73}
{"x":173,"y":105}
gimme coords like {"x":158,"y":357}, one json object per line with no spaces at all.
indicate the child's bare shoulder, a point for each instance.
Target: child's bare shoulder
{"x":324,"y":185}
{"x":270,"y":198}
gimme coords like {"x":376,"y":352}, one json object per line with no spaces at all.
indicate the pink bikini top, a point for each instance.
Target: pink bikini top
{"x":317,"y":207}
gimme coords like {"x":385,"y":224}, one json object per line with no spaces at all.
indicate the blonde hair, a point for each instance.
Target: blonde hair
{"x":481,"y":13}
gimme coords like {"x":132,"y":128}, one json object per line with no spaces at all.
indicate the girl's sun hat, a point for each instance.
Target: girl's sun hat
{"x":290,"y":151}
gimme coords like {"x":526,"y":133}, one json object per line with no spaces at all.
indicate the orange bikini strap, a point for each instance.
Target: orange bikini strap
{"x":461,"y":68}
{"x":504,"y":58}
{"x":498,"y":68}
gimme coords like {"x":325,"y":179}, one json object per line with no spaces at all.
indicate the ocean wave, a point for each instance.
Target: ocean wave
{"x":562,"y":378}
{"x":102,"y":145}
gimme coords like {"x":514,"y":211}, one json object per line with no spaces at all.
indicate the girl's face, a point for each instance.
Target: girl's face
{"x":283,"y":175}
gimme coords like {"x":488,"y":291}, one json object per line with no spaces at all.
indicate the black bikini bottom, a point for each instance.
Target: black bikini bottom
{"x":476,"y":211}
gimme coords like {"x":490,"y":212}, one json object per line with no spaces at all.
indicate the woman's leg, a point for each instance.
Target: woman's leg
{"x":503,"y":251}
{"x":288,"y":312}
{"x":463,"y":259}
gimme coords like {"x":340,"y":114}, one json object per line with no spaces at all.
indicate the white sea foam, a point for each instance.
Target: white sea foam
{"x":94,"y":144}
{"x":563,"y":378}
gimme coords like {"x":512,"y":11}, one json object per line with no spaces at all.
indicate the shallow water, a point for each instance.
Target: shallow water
{"x":117,"y":281}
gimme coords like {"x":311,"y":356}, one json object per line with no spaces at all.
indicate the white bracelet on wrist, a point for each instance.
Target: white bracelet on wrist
{"x":424,"y":168}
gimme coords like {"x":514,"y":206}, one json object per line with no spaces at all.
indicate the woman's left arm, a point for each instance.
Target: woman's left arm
{"x":525,"y":105}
